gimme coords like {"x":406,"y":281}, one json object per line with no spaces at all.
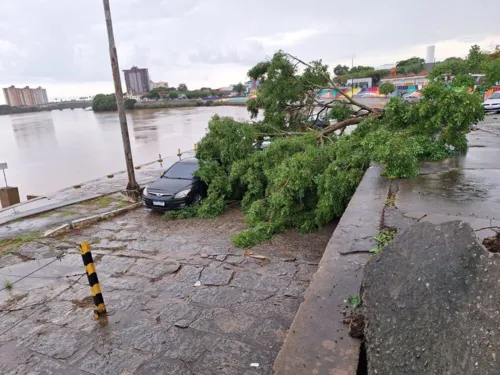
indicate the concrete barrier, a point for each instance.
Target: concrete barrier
{"x":88,"y":221}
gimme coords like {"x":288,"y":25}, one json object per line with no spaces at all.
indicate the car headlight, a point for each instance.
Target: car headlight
{"x":145,"y":191}
{"x":182,"y":194}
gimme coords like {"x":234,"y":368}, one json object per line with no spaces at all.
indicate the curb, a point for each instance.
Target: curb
{"x":318,"y":341}
{"x":87,"y":221}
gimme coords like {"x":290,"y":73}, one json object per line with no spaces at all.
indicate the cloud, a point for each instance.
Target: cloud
{"x":287,"y":39}
{"x":213,"y":43}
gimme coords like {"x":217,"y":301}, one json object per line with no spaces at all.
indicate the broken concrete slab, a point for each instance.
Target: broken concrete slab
{"x":216,"y":276}
{"x":35,"y":250}
{"x":152,"y":268}
{"x":431,"y":304}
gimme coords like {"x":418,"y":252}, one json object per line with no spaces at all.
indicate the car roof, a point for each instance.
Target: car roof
{"x":192,"y":160}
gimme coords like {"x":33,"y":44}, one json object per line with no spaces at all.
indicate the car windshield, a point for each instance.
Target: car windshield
{"x":495,"y":95}
{"x":182,"y":171}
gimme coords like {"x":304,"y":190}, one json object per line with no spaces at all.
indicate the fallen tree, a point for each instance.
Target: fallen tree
{"x":289,"y":172}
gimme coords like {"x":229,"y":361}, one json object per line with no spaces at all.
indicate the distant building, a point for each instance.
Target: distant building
{"x":18,"y":97}
{"x":360,"y":82}
{"x":137,"y":80}
{"x":155,"y":85}
{"x":411,"y":79}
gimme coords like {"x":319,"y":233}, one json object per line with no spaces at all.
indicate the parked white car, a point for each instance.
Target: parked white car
{"x":492,"y":104}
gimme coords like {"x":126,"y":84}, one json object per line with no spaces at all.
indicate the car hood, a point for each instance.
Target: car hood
{"x":169,"y":185}
{"x":492,"y":101}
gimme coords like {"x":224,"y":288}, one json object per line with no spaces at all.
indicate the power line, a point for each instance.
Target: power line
{"x":58,"y":257}
{"x":43,"y":306}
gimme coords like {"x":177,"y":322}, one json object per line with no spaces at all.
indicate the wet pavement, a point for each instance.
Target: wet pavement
{"x":85,"y":191}
{"x":35,"y":225}
{"x":181,"y":298}
{"x":463,"y":188}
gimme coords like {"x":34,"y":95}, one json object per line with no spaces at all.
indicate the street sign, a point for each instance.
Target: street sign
{"x":3,"y":165}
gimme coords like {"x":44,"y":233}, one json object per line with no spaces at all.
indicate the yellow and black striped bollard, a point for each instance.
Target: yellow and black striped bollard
{"x":88,"y":262}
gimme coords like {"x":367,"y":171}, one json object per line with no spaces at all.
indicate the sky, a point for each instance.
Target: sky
{"x":62,"y":45}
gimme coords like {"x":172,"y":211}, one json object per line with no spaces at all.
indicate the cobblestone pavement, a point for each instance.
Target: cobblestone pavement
{"x":182,"y":299}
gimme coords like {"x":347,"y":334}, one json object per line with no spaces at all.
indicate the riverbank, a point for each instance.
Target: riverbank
{"x":186,"y":104}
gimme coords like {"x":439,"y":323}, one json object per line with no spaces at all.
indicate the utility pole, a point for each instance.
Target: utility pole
{"x":352,"y":79}
{"x":132,"y":186}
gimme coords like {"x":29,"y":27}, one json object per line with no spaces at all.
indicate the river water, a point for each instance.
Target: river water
{"x":48,"y":151}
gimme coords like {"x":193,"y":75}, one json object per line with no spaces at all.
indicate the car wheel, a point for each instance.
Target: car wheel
{"x":197,"y":200}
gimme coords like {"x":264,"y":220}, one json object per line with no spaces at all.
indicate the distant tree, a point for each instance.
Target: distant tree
{"x":205,"y":89}
{"x":475,"y":59}
{"x":173,"y":94}
{"x":154,"y":94}
{"x":129,"y":103}
{"x":239,"y":88}
{"x":411,"y":65}
{"x":103,"y":102}
{"x":182,"y":88}
{"x":492,"y":73}
{"x":361,"y":68}
{"x":449,"y":68}
{"x":214,"y":93}
{"x":386,"y":88}
{"x":340,"y":70}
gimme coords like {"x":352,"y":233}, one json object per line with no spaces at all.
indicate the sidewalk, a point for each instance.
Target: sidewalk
{"x":91,"y":189}
{"x":181,"y":299}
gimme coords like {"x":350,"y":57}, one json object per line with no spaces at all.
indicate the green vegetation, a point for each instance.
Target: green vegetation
{"x":456,"y":72}
{"x":386,"y":88}
{"x":354,"y":301}
{"x":8,"y":286}
{"x":8,"y":110}
{"x":305,"y":178}
{"x":375,"y":75}
{"x":341,"y":70}
{"x":103,"y":102}
{"x":185,"y":103}
{"x":239,"y":88}
{"x":411,"y":65}
{"x":129,"y":103}
{"x":10,"y":244}
{"x":383,"y":238}
{"x":104,"y":201}
{"x":173,"y":95}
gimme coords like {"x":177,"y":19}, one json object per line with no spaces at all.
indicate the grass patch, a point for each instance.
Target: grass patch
{"x":122,"y":203}
{"x":7,"y":285}
{"x":8,"y":245}
{"x":391,"y":200}
{"x":185,"y":213}
{"x":104,"y":201}
{"x":354,"y":301}
{"x":69,"y":213}
{"x":383,"y":238}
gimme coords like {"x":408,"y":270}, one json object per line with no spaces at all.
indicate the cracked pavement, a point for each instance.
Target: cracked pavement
{"x":181,"y":298}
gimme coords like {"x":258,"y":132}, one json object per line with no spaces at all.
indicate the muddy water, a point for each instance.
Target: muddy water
{"x":47,"y":151}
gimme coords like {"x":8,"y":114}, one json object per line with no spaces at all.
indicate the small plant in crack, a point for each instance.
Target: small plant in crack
{"x":7,"y":285}
{"x":383,"y":238}
{"x":354,"y":301}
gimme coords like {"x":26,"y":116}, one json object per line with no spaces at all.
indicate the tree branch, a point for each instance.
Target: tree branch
{"x":343,"y":124}
{"x":334,"y":85}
